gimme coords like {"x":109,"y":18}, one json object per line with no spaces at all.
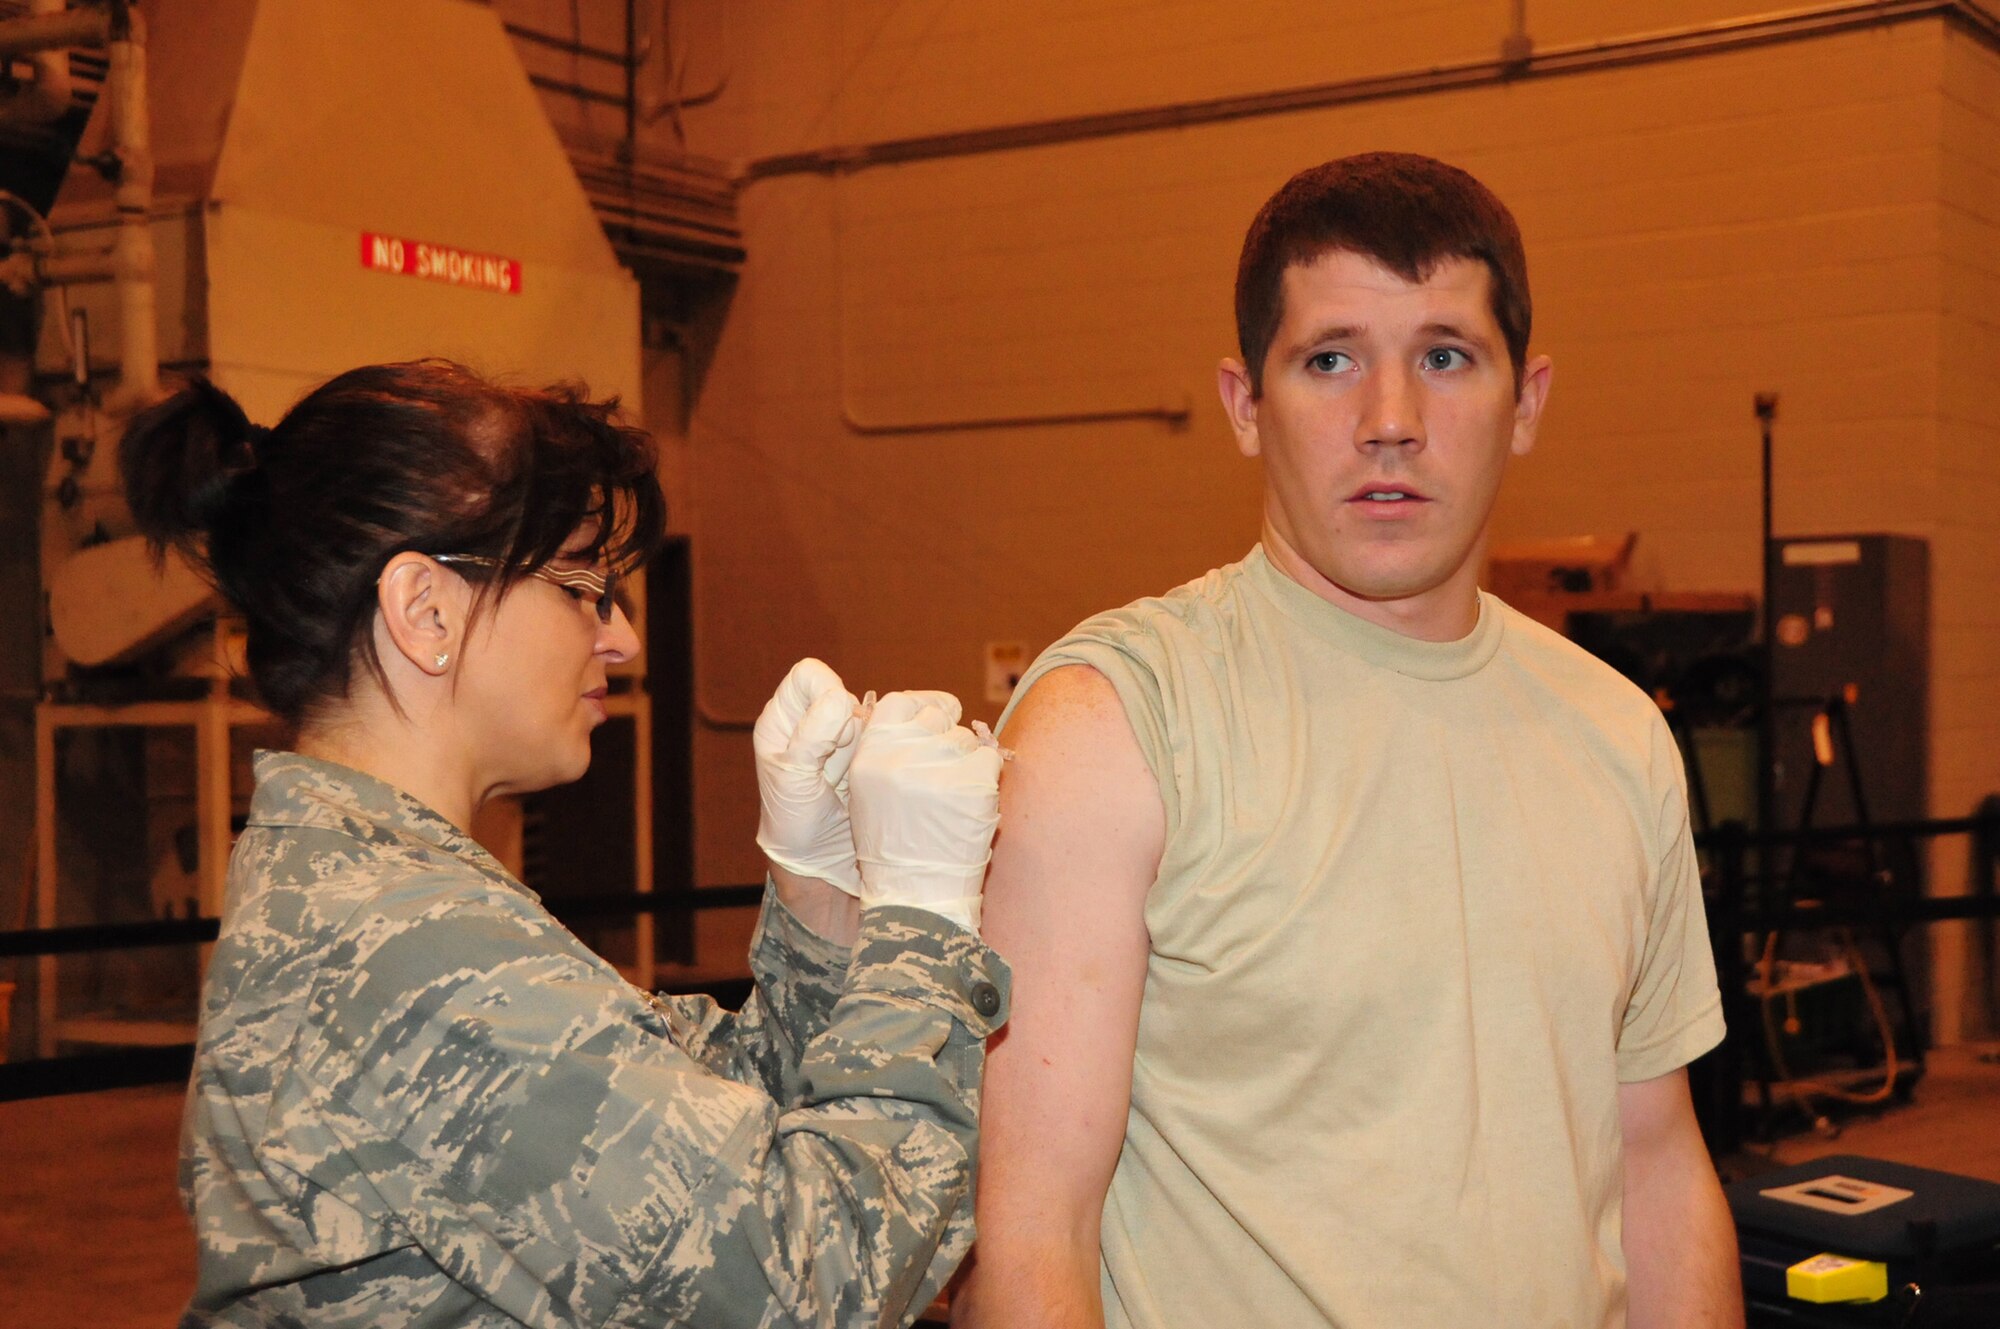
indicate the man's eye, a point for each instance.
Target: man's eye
{"x":1330,"y":362}
{"x":1445,"y":357}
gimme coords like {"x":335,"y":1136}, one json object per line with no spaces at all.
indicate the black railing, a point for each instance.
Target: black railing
{"x":1758,"y":883}
{"x":86,"y":1072}
{"x":1745,"y":896}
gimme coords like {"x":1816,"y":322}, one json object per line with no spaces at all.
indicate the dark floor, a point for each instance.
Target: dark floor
{"x":91,"y":1231}
{"x":1952,"y":1122}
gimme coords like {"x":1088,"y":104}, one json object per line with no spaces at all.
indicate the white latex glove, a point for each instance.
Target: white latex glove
{"x":804,"y":742}
{"x":925,"y":795}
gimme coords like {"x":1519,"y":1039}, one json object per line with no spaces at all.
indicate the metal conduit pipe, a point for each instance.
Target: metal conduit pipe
{"x":676,"y":100}
{"x":43,"y":32}
{"x":130,"y":261}
{"x":76,"y":269}
{"x":1577,"y":58}
{"x":631,"y":78}
{"x":565,"y":88}
{"x":566,"y":46}
{"x":138,"y":329}
{"x":1171,"y":412}
{"x":46,"y":96}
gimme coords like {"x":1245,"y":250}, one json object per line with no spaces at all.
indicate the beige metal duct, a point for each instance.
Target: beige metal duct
{"x":111,"y":602}
{"x":286,"y":130}
{"x":330,"y":186}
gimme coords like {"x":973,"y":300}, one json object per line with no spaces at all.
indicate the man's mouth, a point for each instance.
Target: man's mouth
{"x":1386,"y":494}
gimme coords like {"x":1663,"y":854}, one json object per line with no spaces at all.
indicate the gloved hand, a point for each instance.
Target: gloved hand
{"x":804,"y":742}
{"x":925,"y":796}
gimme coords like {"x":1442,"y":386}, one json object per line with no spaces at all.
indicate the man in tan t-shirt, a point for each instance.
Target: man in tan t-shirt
{"x":1355,"y":924}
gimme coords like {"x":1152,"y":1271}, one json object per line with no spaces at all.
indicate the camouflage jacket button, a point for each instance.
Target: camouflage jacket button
{"x":985,"y":999}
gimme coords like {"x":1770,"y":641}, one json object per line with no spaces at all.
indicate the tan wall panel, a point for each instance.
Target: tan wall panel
{"x":1966,"y":555}
{"x":1700,"y":231}
{"x":1815,"y":218}
{"x":1057,"y":270}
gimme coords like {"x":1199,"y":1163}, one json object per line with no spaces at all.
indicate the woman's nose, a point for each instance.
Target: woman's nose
{"x":618,"y":638}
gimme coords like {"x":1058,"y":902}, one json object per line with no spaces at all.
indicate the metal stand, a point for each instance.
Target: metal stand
{"x":1767,"y":724}
{"x":211,"y":716}
{"x":639,"y":706}
{"x":1833,"y":743}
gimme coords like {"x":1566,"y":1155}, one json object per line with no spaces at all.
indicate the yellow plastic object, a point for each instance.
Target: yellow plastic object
{"x":1827,"y":1278}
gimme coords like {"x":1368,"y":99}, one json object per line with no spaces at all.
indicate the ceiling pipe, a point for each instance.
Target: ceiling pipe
{"x":1517,"y":48}
{"x":1529,"y":62}
{"x":1174,"y":413}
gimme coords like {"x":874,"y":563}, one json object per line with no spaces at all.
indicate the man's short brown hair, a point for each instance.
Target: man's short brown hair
{"x":1407,"y":212}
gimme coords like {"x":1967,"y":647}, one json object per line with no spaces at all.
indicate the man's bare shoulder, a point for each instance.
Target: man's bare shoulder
{"x":1071,"y":726}
{"x":1077,"y":773}
{"x":1068,"y":700}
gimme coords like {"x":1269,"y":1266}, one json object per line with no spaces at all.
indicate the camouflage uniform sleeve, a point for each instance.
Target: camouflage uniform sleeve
{"x":531,"y":1123}
{"x":798,"y":978}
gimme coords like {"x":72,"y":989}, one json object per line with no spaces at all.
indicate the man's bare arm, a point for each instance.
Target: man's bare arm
{"x":1081,"y":832}
{"x":1680,"y":1242}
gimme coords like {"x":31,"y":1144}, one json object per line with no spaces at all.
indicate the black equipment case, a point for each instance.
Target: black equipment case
{"x":1937,"y":1233}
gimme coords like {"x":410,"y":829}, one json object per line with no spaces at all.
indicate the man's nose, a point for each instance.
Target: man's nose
{"x":1391,"y":413}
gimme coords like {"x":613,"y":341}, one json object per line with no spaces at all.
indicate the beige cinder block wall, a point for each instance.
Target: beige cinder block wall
{"x":1965,"y":531}
{"x":1813,"y":217}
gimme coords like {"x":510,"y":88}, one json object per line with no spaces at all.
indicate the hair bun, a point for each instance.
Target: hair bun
{"x":182,"y":461}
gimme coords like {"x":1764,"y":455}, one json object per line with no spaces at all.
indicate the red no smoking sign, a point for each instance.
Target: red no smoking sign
{"x":456,"y":267}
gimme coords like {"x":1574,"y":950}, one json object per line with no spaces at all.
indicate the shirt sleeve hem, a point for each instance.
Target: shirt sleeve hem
{"x":1695,"y":1036}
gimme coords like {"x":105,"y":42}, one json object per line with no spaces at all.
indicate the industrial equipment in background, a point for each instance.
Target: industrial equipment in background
{"x":1843,"y":735}
{"x":1692,"y":652}
{"x":1851,"y":646}
{"x":1836,"y":694}
{"x":1850,"y":1241}
{"x":1850,"y":667}
{"x":267,"y":193}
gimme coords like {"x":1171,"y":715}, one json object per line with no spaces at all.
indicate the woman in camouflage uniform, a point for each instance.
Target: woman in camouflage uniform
{"x":417,"y":1099}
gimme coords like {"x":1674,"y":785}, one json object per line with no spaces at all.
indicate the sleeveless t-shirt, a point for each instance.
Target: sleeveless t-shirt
{"x":1423,"y":907}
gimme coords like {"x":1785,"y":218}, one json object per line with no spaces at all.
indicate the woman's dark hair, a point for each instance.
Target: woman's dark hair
{"x":294,"y":523}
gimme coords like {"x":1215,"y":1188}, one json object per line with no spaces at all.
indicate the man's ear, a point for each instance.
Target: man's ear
{"x":419,"y":612}
{"x":1528,"y":404}
{"x":1239,"y":402}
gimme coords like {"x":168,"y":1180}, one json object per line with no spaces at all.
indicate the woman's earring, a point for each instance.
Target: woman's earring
{"x":442,"y":656}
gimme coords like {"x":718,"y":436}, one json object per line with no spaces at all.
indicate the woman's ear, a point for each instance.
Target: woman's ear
{"x":421,"y":611}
